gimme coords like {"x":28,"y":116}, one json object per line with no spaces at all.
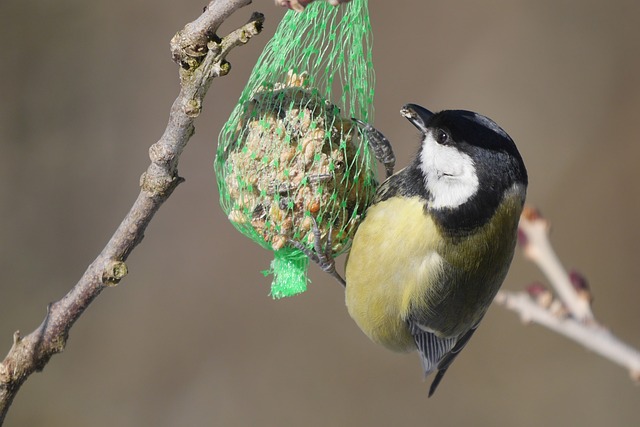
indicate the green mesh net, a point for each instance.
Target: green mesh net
{"x":290,"y":156}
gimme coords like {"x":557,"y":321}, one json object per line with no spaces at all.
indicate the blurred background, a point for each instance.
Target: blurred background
{"x":191,"y":337}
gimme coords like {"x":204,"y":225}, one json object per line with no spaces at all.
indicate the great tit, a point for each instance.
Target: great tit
{"x":437,"y":241}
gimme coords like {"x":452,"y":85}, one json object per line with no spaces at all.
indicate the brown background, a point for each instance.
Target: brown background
{"x":191,"y":337}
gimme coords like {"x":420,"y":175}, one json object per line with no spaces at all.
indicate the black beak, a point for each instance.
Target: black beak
{"x":417,"y":115}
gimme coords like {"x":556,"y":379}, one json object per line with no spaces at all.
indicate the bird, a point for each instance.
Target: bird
{"x":437,"y":241}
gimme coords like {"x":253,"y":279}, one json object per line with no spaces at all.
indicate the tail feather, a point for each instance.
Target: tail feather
{"x":436,"y":381}
{"x":437,"y":353}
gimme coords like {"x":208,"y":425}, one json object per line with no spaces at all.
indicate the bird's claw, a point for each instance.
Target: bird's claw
{"x":380,"y":145}
{"x":320,"y":255}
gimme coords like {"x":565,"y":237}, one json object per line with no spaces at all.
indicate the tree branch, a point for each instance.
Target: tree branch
{"x":191,"y":44}
{"x":201,"y":55}
{"x":592,"y":336}
{"x":534,"y":240}
{"x":569,"y":313}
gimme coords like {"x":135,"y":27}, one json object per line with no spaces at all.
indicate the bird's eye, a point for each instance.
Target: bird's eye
{"x":442,"y":137}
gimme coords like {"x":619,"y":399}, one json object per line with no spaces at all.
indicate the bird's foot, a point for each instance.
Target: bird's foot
{"x":380,"y":145}
{"x":320,"y":254}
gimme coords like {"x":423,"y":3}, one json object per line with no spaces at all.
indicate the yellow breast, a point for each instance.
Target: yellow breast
{"x":400,"y":264}
{"x":391,"y":258}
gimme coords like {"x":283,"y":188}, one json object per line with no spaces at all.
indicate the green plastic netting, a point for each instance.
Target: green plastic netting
{"x":289,"y":152}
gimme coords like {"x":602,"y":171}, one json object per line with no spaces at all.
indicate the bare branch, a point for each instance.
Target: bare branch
{"x":202,"y":56}
{"x":534,"y":239}
{"x":590,"y":335}
{"x":190,"y":44}
{"x":570,"y":313}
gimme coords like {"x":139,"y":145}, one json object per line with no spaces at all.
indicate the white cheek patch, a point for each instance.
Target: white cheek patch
{"x":450,"y":175}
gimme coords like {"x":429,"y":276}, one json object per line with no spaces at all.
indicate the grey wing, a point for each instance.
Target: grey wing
{"x":437,"y":353}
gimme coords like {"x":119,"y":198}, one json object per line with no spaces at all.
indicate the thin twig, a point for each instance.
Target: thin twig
{"x":592,"y":336}
{"x":199,"y":66}
{"x":536,"y":246}
{"x":568,"y":314}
